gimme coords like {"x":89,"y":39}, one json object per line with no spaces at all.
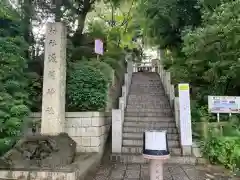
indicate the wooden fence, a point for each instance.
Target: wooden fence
{"x":202,"y":128}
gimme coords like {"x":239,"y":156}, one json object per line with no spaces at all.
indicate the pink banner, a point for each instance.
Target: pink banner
{"x":98,"y":46}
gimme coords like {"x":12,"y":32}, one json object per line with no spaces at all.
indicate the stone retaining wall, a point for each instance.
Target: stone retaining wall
{"x":89,"y":129}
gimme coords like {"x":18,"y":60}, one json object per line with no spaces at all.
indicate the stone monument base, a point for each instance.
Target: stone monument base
{"x":43,"y":157}
{"x":83,"y":164}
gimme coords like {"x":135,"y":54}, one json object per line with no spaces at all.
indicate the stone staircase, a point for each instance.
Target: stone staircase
{"x":148,"y":109}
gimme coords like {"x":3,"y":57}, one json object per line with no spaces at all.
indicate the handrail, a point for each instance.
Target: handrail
{"x":118,"y":114}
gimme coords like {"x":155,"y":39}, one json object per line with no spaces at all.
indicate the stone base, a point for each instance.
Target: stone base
{"x":40,"y":151}
{"x":83,"y":164}
{"x":187,"y":150}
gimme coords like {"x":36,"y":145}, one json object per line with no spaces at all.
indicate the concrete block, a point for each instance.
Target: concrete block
{"x":103,"y":129}
{"x":74,"y":131}
{"x":86,"y":141}
{"x":95,"y":141}
{"x":197,"y":152}
{"x":186,"y":150}
{"x":78,"y":140}
{"x":73,"y":122}
{"x":92,"y":131}
{"x":86,"y":122}
{"x":80,"y":149}
{"x":98,"y":121}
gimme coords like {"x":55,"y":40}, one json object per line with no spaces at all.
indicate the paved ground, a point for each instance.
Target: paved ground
{"x":171,"y":172}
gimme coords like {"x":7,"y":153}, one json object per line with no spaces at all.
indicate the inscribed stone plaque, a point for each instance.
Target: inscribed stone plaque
{"x":54,"y":81}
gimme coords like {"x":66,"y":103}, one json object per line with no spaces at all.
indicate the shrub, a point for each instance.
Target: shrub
{"x":14,"y":99}
{"x":223,"y":150}
{"x":86,"y":88}
{"x":117,"y":65}
{"x":13,"y":92}
{"x":101,"y":66}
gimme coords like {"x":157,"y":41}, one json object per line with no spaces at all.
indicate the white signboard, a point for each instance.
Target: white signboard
{"x":185,"y":115}
{"x":98,"y":46}
{"x":224,"y":104}
{"x":155,"y":140}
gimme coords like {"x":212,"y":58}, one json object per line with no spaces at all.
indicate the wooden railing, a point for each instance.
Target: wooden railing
{"x":201,"y":129}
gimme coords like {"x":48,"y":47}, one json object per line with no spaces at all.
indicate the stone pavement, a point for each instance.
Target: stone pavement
{"x":109,"y":171}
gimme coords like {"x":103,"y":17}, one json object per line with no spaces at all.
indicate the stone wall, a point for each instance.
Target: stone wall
{"x":89,"y":129}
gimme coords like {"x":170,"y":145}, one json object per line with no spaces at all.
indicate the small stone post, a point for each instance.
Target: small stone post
{"x":155,"y":149}
{"x":54,"y":80}
{"x":116,"y":130}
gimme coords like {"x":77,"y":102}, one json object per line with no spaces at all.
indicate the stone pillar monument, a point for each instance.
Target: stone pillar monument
{"x":54,"y":80}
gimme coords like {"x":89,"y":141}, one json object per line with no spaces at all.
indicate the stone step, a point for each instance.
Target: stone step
{"x":143,"y":88}
{"x":147,"y":82}
{"x":147,"y":114}
{"x":147,"y":106}
{"x":148,"y":119}
{"x":138,"y":150}
{"x":135,"y":142}
{"x":148,"y":103}
{"x":148,"y":98}
{"x":141,"y":130}
{"x":145,"y":91}
{"x":138,"y":158}
{"x":140,"y":136}
{"x":154,"y":110}
{"x":140,"y":92}
{"x":149,"y":124}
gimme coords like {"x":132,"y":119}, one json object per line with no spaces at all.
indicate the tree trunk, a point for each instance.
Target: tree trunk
{"x":27,"y":17}
{"x":78,"y":34}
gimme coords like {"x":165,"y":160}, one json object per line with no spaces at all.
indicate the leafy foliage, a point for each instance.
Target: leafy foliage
{"x":164,"y":20}
{"x":105,"y":69}
{"x":212,"y":51}
{"x":86,"y":88}
{"x":13,"y":79}
{"x":224,"y":150}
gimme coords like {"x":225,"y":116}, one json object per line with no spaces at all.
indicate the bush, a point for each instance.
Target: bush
{"x":101,"y":66}
{"x":86,"y":88}
{"x":117,"y":65}
{"x":223,"y":150}
{"x":13,"y":91}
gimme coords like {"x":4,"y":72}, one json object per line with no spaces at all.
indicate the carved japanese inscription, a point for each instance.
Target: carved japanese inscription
{"x":52,"y":30}
{"x":51,"y":91}
{"x":54,"y":84}
{"x":52,"y":58}
{"x":50,"y":110}
{"x":51,"y":74}
{"x":52,"y":42}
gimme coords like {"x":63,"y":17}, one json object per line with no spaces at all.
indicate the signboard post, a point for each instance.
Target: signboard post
{"x":155,"y":148}
{"x":224,"y":104}
{"x":185,"y":115}
{"x":98,"y":47}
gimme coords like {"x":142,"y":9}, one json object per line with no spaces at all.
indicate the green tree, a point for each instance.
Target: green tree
{"x":13,"y":78}
{"x":164,"y":20}
{"x":213,"y":51}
